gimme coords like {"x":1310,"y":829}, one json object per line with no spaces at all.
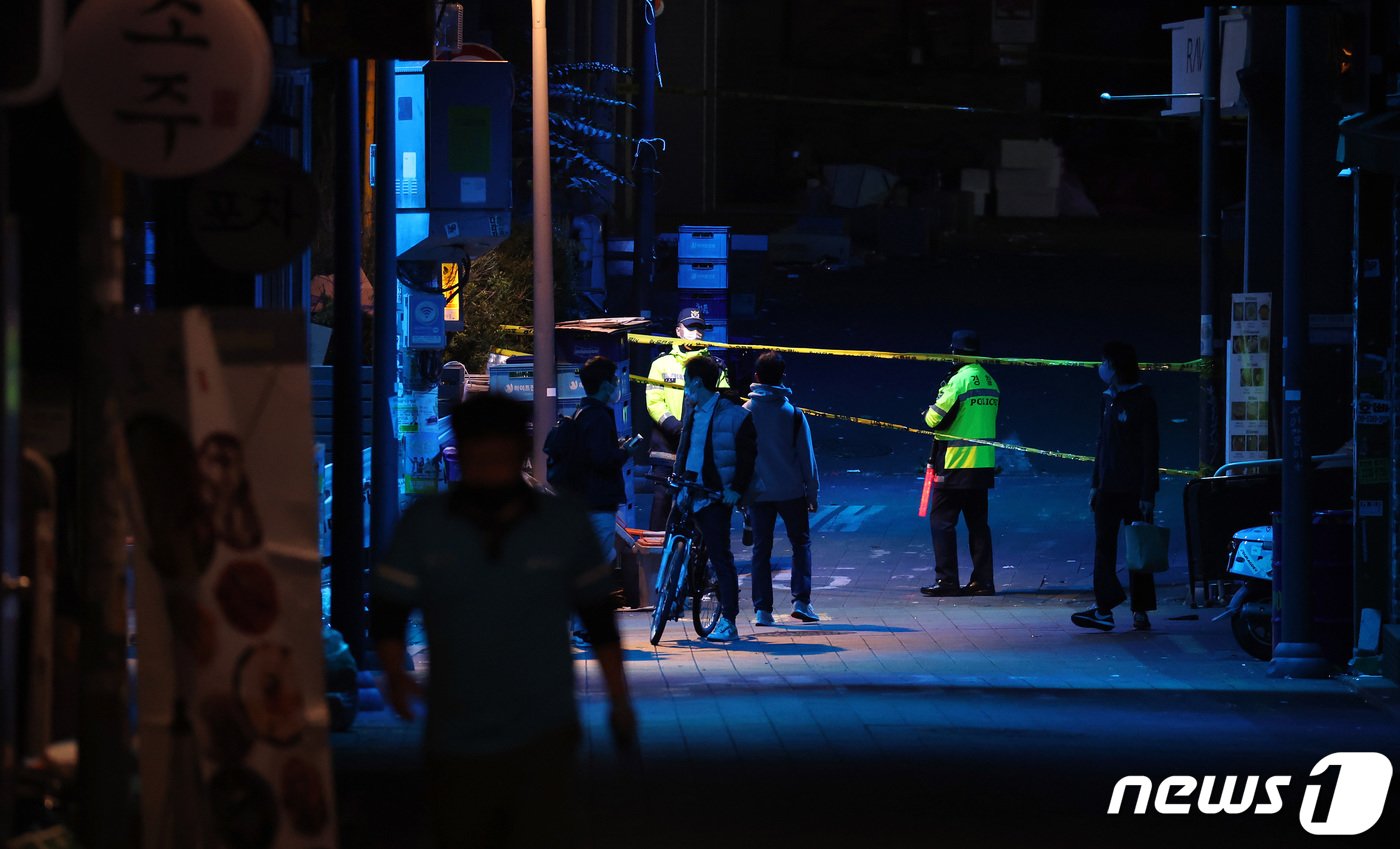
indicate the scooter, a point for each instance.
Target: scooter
{"x":1251,"y":609}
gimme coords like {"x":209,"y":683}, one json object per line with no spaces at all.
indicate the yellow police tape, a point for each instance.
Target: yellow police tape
{"x":1040,"y":452}
{"x":1198,"y":365}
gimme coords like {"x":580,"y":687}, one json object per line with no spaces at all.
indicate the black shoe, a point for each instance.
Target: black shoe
{"x":942,"y":589}
{"x":974,"y":588}
{"x":1101,"y":620}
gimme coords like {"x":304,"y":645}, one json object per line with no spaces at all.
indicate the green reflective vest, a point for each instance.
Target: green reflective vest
{"x":966,"y":408}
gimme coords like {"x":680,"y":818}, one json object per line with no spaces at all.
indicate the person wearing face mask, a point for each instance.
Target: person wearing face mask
{"x":495,"y":567}
{"x":1123,"y":486}
{"x":666,"y":406}
{"x":965,"y":408}
{"x":718,"y":448}
{"x":597,"y":459}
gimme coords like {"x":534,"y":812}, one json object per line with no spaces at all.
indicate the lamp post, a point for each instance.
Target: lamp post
{"x":1296,"y":655}
{"x":543,"y":235}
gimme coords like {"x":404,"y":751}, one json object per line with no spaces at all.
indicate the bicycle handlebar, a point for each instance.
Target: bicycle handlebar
{"x":682,"y":483}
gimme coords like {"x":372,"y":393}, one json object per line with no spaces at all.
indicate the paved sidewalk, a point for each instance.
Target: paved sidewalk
{"x":899,"y":720}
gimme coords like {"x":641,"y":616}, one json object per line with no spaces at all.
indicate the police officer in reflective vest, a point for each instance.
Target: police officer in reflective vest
{"x":965,"y":408}
{"x":666,"y":406}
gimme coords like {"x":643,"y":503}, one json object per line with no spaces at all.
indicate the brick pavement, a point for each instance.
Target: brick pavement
{"x":889,"y":682}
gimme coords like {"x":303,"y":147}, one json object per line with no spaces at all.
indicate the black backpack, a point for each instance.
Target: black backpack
{"x":562,"y":470}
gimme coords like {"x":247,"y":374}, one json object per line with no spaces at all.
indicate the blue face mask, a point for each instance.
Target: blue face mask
{"x":1106,"y":373}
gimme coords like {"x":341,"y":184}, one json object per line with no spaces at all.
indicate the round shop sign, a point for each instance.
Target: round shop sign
{"x":256,"y":212}
{"x":166,"y":88}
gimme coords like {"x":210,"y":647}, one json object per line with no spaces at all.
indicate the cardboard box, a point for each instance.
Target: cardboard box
{"x":1027,"y":179}
{"x":1043,"y":204}
{"x":1028,"y":153}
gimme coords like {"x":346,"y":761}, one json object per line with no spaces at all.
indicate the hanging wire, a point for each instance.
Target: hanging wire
{"x":655,"y":55}
{"x":637,"y":154}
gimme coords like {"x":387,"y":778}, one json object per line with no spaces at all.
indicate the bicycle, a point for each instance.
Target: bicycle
{"x":685,"y":568}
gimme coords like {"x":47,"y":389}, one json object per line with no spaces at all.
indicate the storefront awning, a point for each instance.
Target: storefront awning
{"x":1371,"y":141}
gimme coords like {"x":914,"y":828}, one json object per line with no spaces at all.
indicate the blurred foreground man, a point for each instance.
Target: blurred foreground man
{"x":965,"y":408}
{"x":496,"y":568}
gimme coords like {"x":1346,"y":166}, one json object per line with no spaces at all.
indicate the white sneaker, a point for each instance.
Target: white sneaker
{"x":763,"y":617}
{"x":724,"y":631}
{"x":802,"y":611}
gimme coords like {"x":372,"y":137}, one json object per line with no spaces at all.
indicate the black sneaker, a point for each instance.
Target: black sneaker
{"x":1141,"y":622}
{"x":942,"y":589}
{"x":1094,"y":618}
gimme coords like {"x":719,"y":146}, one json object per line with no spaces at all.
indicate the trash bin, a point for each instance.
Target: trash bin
{"x":640,"y":561}
{"x":1329,"y":585}
{"x":449,"y":461}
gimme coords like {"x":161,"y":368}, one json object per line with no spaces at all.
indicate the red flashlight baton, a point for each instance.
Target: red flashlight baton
{"x":928,"y":488}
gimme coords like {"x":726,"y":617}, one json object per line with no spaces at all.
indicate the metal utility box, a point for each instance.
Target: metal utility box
{"x":468,"y":112}
{"x":452,"y":154}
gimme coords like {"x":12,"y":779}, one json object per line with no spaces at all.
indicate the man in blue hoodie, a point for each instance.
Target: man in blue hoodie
{"x":787,"y":465}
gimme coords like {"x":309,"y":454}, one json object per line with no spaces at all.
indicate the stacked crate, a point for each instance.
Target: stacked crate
{"x":1028,"y":181}
{"x":702,"y":276}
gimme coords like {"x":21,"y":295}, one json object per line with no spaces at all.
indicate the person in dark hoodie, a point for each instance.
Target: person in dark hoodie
{"x":596,"y":462}
{"x":1123,"y":487}
{"x":599,"y":454}
{"x":787,"y":465}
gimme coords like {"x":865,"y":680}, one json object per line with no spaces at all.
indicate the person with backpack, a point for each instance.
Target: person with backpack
{"x":586,"y":457}
{"x":787,"y":465}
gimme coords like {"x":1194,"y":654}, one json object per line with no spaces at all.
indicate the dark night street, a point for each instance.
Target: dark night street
{"x":345,"y":343}
{"x":900,"y":720}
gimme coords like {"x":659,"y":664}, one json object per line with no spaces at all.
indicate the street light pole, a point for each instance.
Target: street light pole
{"x":1296,"y":655}
{"x":543,"y":236}
{"x":384,"y":457}
{"x":347,"y":450}
{"x":1209,"y":432}
{"x":644,"y":249}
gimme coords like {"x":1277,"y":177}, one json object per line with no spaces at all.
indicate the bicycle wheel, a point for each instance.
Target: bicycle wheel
{"x":704,"y":611}
{"x":668,"y":585}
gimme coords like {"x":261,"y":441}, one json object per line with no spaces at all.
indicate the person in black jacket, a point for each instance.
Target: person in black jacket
{"x":1124,"y":486}
{"x":598,"y":455}
{"x":596,"y":459}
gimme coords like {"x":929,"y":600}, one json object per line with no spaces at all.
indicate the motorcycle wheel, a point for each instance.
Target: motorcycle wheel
{"x":1254,"y":633}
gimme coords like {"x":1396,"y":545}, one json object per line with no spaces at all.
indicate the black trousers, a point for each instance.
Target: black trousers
{"x":661,"y":498}
{"x":943,"y":522}
{"x":1112,"y":511}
